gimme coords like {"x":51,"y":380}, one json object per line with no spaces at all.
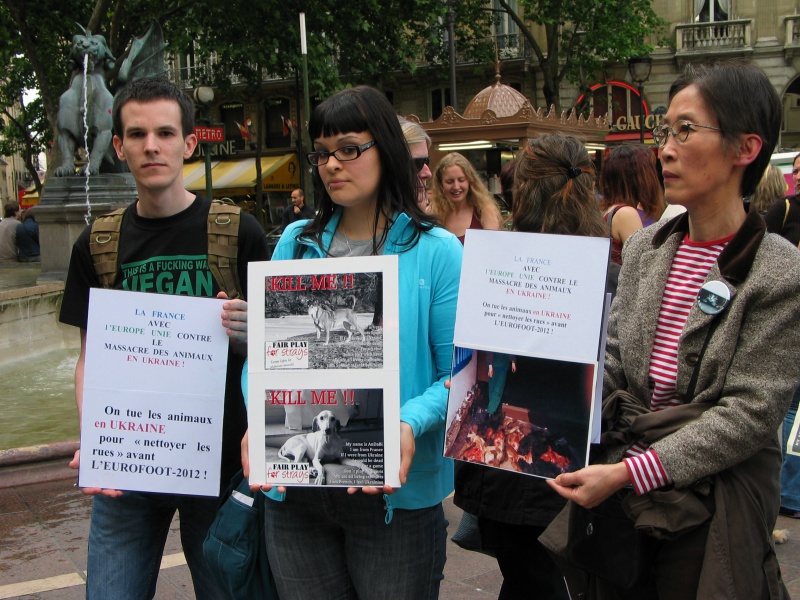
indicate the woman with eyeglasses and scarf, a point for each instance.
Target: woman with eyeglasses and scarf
{"x":375,"y":543}
{"x":703,"y":343}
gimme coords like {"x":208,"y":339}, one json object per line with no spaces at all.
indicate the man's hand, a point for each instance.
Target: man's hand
{"x":75,"y":463}
{"x":234,"y":320}
{"x":592,"y":485}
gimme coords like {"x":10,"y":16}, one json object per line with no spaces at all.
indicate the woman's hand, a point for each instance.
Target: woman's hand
{"x":592,"y":485}
{"x":407,"y":449}
{"x":245,"y":450}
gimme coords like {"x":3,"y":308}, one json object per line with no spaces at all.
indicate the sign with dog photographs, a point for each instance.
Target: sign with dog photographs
{"x":529,"y":348}
{"x":323,"y":372}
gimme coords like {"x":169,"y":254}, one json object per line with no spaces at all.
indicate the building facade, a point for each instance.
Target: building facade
{"x":767,"y":32}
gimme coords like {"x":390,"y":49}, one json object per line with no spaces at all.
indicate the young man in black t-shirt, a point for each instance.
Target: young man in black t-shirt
{"x":166,"y":231}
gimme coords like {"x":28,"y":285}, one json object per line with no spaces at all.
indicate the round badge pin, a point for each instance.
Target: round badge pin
{"x":713,"y":297}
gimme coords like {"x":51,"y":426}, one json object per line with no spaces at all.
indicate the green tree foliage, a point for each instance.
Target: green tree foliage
{"x":581,"y":36}
{"x":362,"y":41}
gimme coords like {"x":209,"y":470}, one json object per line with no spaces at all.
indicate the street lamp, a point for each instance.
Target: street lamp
{"x":639,"y":69}
{"x":451,"y":39}
{"x":204,"y":96}
{"x":306,"y":181}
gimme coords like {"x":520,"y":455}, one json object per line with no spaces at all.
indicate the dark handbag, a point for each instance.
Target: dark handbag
{"x":604,"y":542}
{"x":468,"y":535}
{"x":235,"y":549}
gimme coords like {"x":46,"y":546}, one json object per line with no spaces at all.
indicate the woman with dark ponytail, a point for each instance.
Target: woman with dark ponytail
{"x":553,"y":193}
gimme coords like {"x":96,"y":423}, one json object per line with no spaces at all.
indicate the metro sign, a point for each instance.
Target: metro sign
{"x":210,"y":133}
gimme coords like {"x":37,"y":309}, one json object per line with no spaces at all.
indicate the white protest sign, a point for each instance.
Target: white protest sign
{"x":541,"y":294}
{"x":153,"y":396}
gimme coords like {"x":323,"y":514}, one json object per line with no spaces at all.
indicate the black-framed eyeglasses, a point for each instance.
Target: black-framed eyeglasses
{"x":680,"y":130}
{"x":421,"y":161}
{"x":343,"y":154}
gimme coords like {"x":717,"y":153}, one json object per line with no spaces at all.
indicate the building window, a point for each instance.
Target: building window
{"x":278,"y":134}
{"x":503,"y":23}
{"x":440,"y":97}
{"x":712,"y":10}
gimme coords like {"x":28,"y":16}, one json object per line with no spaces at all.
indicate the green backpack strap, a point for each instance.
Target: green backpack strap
{"x":223,"y":245}
{"x":104,"y":246}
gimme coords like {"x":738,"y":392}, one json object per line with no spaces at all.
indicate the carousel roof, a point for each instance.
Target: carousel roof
{"x":499,"y":112}
{"x":501,"y":99}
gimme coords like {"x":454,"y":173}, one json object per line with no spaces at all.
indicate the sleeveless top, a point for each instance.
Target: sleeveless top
{"x":474,"y":224}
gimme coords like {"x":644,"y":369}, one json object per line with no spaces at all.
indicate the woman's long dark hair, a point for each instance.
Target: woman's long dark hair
{"x":629,"y":177}
{"x":356,"y":110}
{"x":554,"y":191}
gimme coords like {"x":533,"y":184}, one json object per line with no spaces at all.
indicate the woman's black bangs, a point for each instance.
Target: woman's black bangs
{"x":337,"y":115}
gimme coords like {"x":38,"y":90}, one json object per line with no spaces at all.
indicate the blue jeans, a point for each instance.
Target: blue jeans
{"x":790,"y":470}
{"x":328,"y":545}
{"x":126,"y":542}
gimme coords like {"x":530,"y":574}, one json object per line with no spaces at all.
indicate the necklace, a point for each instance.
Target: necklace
{"x":344,"y":246}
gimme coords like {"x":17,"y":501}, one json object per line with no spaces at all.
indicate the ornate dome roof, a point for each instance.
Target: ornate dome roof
{"x":501,"y":99}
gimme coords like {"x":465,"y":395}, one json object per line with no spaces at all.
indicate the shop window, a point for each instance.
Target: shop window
{"x":278,"y":133}
{"x":615,"y":99}
{"x":232,"y":115}
{"x":440,"y":97}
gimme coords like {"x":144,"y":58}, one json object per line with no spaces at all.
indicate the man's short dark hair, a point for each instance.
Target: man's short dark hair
{"x":150,"y":90}
{"x":10,"y":210}
{"x":743,"y":100}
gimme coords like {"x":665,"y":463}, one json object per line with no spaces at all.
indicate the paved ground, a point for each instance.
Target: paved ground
{"x":44,"y":526}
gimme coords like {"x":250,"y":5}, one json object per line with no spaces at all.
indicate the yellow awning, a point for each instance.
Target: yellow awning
{"x":238,"y":177}
{"x":194,"y":175}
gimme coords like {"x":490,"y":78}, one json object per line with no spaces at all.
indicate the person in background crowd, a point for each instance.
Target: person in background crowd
{"x":632,"y":196}
{"x":28,"y":238}
{"x":703,"y":337}
{"x":384,"y":543}
{"x":553,"y":193}
{"x":419,"y":144}
{"x":771,"y":190}
{"x":8,"y":233}
{"x":460,"y":198}
{"x":783,"y":218}
{"x":298,"y":209}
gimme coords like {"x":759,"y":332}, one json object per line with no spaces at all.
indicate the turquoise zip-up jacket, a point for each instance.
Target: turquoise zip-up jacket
{"x":429,"y":273}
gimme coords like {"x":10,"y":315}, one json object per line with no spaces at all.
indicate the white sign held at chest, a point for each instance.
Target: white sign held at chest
{"x":153,"y":395}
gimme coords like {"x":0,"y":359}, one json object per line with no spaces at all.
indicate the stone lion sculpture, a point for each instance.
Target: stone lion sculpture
{"x":84,"y":110}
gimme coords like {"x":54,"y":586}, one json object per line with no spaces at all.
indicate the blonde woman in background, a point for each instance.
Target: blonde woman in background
{"x":771,"y":189}
{"x":460,"y":199}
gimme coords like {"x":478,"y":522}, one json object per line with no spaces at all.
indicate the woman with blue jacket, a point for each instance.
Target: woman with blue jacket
{"x":382,"y":543}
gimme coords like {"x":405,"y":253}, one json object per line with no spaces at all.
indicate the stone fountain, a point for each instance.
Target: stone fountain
{"x":74,"y":195}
